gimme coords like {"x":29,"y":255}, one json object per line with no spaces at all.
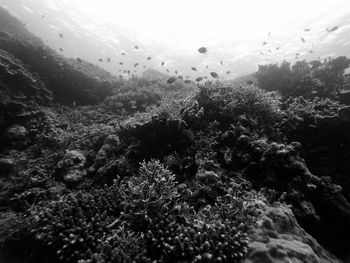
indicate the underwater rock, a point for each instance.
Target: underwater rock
{"x":277,"y":237}
{"x":71,"y":167}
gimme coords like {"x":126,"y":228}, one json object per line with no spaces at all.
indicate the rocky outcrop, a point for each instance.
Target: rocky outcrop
{"x":277,"y":237}
{"x":69,"y":82}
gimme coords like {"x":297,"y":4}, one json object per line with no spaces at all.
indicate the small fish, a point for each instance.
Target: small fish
{"x":261,"y":53}
{"x":214,"y":75}
{"x":128,"y":71}
{"x":61,"y":49}
{"x":167,"y":70}
{"x":121,"y":63}
{"x":199,"y":79}
{"x":120,"y":76}
{"x":61,"y":35}
{"x":206,"y":77}
{"x":297,"y":54}
{"x":136,"y":47}
{"x":187,"y":77}
{"x":202,"y":50}
{"x":149,"y":58}
{"x":303,"y":40}
{"x":176,"y":72}
{"x":310,"y":51}
{"x":100,"y":59}
{"x":43,"y":16}
{"x":144,"y":66}
{"x":193,"y":68}
{"x":171,"y":80}
{"x":135,"y":65}
{"x":124,"y":71}
{"x":123,"y":53}
{"x":269,"y":50}
{"x":269,"y":34}
{"x":108,"y":60}
{"x":207,"y":66}
{"x":221,"y":63}
{"x":180,"y":77}
{"x":332,"y":29}
{"x":307,"y":29}
{"x":264,"y":43}
{"x":79,"y":60}
{"x":277,"y":48}
{"x":162,"y":64}
{"x":188,"y":134}
{"x":187,"y":81}
{"x":228,"y":72}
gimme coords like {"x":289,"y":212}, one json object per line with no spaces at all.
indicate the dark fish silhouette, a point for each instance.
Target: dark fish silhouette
{"x":180,"y":77}
{"x":187,"y":81}
{"x":307,"y":29}
{"x":61,"y":35}
{"x":207,"y":66}
{"x":123,"y":54}
{"x":303,"y":40}
{"x":162,"y":64}
{"x":187,"y":77}
{"x":61,"y":49}
{"x":228,"y":72}
{"x":79,"y":60}
{"x":214,"y":75}
{"x":100,"y":59}
{"x":167,"y":70}
{"x":136,"y":47}
{"x":149,"y":58}
{"x":269,"y":34}
{"x":199,"y":79}
{"x":43,"y":16}
{"x":205,"y":77}
{"x":202,"y":50}
{"x":121,"y":63}
{"x":135,"y":65}
{"x":262,"y":53}
{"x":277,"y":48}
{"x":171,"y":80}
{"x":297,"y":54}
{"x":193,"y":68}
{"x":144,"y":66}
{"x":269,"y":50}
{"x":311,"y":51}
{"x":264,"y":43}
{"x":108,"y":60}
{"x":332,"y":29}
{"x":221,"y":63}
{"x":176,"y":72}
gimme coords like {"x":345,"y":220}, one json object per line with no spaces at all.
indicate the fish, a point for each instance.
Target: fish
{"x":303,"y":40}
{"x":79,"y":60}
{"x":167,"y":70}
{"x":221,"y":63}
{"x":176,"y":72}
{"x":269,"y":34}
{"x":100,"y":59}
{"x":214,"y":75}
{"x":193,"y":68}
{"x":124,"y":71}
{"x":207,"y":66}
{"x":108,"y":60}
{"x":333,"y":29}
{"x":297,"y":54}
{"x":136,"y":47}
{"x":202,"y":50}
{"x":199,"y":79}
{"x":135,"y":65}
{"x":228,"y":72}
{"x":277,"y":48}
{"x":310,"y":51}
{"x":264,"y":43}
{"x":307,"y":29}
{"x":269,"y":50}
{"x":123,"y":53}
{"x":43,"y":16}
{"x":261,"y":53}
{"x":180,"y":77}
{"x":171,"y":80}
{"x":162,"y":64}
{"x":121,"y":63}
{"x":187,"y":77}
{"x":206,"y":77}
{"x":61,"y":49}
{"x":149,"y":58}
{"x":61,"y":35}
{"x":144,"y":66}
{"x":187,"y":81}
